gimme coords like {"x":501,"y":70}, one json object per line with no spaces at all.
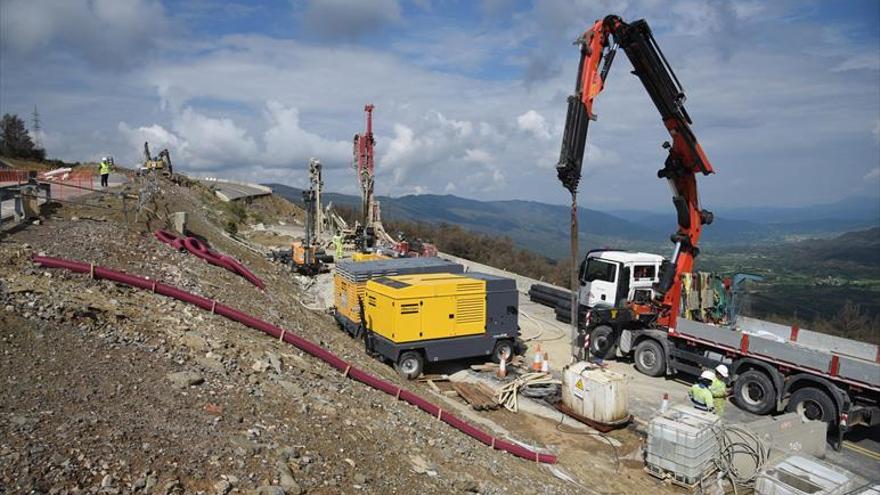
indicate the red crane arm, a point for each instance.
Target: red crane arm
{"x":598,"y":46}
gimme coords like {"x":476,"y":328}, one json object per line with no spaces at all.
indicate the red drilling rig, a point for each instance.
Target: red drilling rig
{"x":364,"y":164}
{"x":371,"y":232}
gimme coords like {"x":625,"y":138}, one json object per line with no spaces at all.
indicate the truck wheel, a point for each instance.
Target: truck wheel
{"x":650,"y":359}
{"x":813,"y":404}
{"x":410,"y":365}
{"x":602,"y":341}
{"x":502,"y":348}
{"x":754,"y":392}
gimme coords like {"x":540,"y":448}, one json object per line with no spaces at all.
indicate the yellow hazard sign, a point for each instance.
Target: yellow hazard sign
{"x":579,"y":384}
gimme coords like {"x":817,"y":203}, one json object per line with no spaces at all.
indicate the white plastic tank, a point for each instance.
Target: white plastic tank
{"x":595,"y":393}
{"x":804,"y":475}
{"x":682,"y":444}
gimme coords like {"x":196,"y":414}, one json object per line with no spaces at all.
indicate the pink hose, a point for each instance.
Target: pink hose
{"x":198,"y":248}
{"x":303,"y":344}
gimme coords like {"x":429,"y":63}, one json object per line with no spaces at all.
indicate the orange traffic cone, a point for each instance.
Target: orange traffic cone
{"x":545,"y":364}
{"x":538,"y":360}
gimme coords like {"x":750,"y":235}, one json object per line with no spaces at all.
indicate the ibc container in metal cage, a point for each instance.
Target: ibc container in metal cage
{"x":682,"y":445}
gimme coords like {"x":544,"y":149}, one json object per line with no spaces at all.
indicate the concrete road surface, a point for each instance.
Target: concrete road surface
{"x":229,"y":191}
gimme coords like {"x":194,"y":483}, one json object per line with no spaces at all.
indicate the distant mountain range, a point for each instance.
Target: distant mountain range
{"x":544,"y":227}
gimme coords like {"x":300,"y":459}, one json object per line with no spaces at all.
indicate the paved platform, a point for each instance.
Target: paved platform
{"x":861,"y":452}
{"x":231,"y":190}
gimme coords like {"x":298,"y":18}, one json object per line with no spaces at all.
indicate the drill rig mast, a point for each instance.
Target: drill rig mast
{"x":364,"y":164}
{"x":685,"y":158}
{"x":316,"y":183}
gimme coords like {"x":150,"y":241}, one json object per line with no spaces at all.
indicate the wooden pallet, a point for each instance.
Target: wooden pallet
{"x":479,"y":396}
{"x":678,"y":480}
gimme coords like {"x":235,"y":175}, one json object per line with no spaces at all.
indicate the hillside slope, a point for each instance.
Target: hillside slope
{"x":113,"y":390}
{"x":527,"y":223}
{"x":545,"y":227}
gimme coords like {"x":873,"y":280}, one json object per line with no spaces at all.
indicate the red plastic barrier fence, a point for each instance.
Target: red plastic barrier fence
{"x":307,"y":346}
{"x":17,"y":176}
{"x":196,"y":247}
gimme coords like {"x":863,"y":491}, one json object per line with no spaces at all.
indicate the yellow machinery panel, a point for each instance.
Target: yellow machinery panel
{"x":350,"y":279}
{"x":346,"y":295}
{"x":368,"y":257}
{"x":410,"y":308}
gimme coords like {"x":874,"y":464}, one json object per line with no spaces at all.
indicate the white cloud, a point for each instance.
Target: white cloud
{"x":482,"y":118}
{"x":478,"y":156}
{"x":287,"y":143}
{"x":348,"y":20}
{"x":196,"y":142}
{"x":199,"y":142}
{"x":109,"y":33}
{"x":867,"y":61}
{"x":535,"y":123}
{"x":157,"y":136}
{"x":873,"y":174}
{"x":207,"y":142}
{"x":438,"y":151}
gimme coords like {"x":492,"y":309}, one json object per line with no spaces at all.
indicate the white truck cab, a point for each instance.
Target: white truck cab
{"x":611,"y":277}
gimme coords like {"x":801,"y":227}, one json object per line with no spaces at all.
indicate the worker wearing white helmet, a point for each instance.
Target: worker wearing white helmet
{"x":719,"y":388}
{"x":104,"y":169}
{"x":700,"y":395}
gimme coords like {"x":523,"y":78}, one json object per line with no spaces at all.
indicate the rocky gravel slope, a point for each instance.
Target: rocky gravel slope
{"x":111,"y":390}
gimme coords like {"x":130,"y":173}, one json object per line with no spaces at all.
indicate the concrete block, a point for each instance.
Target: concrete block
{"x":178,"y":222}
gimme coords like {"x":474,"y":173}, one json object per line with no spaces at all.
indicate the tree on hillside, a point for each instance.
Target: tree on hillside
{"x":15,"y":141}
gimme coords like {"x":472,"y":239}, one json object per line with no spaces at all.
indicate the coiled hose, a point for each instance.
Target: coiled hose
{"x":198,"y":248}
{"x":305,"y":345}
{"x":733,"y":441}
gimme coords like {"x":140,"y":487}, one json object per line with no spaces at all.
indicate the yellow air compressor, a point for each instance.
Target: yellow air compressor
{"x":350,"y":279}
{"x":414,"y":319}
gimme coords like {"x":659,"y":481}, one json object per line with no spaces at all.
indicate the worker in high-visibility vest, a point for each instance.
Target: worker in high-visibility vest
{"x":337,"y":243}
{"x":104,"y":169}
{"x":700,"y":395}
{"x":719,"y":388}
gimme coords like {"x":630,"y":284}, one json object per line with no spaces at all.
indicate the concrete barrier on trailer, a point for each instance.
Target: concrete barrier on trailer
{"x":523,"y":284}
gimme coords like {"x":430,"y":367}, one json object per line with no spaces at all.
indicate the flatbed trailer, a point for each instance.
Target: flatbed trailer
{"x":773,"y":367}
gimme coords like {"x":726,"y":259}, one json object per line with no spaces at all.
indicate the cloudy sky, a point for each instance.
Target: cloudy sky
{"x":470,"y":96}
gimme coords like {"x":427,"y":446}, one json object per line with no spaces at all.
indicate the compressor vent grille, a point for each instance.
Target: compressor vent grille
{"x":469,"y":310}
{"x":409,"y":309}
{"x":469,"y":287}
